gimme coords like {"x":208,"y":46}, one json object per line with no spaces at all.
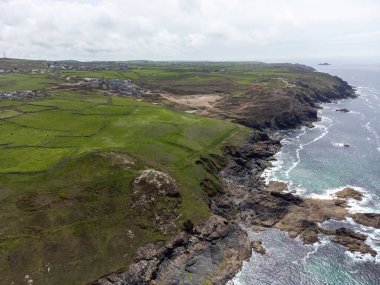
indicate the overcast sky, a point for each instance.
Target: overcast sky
{"x":189,"y":29}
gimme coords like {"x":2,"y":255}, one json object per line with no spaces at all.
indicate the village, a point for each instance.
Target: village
{"x":40,"y":67}
{"x":87,"y":66}
{"x":21,"y":95}
{"x":126,"y":87}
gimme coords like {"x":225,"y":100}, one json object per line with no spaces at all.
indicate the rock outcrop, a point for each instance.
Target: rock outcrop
{"x":349,"y":193}
{"x":352,"y":241}
{"x":257,"y":246}
{"x":367,"y":219}
{"x":343,"y":110}
{"x":212,"y":253}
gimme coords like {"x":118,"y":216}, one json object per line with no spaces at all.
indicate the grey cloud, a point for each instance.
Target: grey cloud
{"x":188,"y":29}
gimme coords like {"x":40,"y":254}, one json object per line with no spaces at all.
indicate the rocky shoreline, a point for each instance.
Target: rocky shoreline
{"x":213,"y":252}
{"x":268,"y":206}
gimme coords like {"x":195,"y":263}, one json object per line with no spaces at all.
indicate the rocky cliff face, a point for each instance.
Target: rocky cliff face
{"x":290,"y":107}
{"x":209,"y":253}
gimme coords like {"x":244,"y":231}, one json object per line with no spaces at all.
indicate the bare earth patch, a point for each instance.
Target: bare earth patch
{"x":203,"y":102}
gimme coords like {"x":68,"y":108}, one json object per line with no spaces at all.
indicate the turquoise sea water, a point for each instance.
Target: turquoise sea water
{"x":315,"y":163}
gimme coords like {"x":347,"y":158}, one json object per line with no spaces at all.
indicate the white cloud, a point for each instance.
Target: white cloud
{"x":188,"y":29}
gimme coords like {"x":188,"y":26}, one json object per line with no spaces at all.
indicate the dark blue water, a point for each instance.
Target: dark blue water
{"x":315,"y":163}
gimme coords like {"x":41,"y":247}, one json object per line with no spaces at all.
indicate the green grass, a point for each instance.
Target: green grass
{"x":8,"y":113}
{"x":31,"y":108}
{"x":64,"y":121}
{"x":108,"y":74}
{"x":65,"y":206}
{"x":7,"y":103}
{"x":30,"y":159}
{"x":15,"y":135}
{"x":18,"y":82}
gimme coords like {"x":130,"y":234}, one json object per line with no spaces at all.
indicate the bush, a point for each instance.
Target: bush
{"x":62,"y":195}
{"x":188,"y":226}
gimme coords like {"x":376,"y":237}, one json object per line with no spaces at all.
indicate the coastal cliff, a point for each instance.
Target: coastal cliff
{"x":211,"y":253}
{"x":156,"y":186}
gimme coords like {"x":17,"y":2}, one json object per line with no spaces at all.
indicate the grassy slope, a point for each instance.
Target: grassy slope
{"x":66,"y":208}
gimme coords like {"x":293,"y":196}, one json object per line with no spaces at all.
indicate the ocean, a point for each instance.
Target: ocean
{"x":316,"y":163}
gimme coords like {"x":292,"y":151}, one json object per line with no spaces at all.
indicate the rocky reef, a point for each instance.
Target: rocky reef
{"x":349,"y":193}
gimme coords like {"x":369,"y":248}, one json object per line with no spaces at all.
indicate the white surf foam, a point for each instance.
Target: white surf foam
{"x":338,"y":144}
{"x":373,"y":238}
{"x":374,"y":134}
{"x":269,"y":173}
{"x":323,"y":240}
{"x":370,"y":96}
{"x":362,"y":116}
{"x":235,"y":280}
{"x":373,"y":241}
{"x":278,"y":168}
{"x":354,"y":206}
{"x":324,"y":126}
{"x":361,"y":257}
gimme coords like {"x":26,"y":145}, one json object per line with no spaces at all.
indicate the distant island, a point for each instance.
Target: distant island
{"x":324,"y":63}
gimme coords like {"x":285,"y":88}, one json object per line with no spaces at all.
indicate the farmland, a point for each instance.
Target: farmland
{"x":64,"y":203}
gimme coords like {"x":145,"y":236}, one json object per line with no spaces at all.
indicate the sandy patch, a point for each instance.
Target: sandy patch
{"x":193,"y":101}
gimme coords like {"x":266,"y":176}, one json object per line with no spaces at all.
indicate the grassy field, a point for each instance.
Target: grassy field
{"x":67,"y":215}
{"x":19,"y":82}
{"x":201,"y":75}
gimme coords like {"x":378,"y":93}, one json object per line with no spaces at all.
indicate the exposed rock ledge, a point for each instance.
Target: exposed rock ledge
{"x":348,"y":192}
{"x":367,"y":219}
{"x":212,"y":253}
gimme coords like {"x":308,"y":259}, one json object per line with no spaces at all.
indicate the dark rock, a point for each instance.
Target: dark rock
{"x":276,"y":186}
{"x":349,"y":233}
{"x":352,"y":241}
{"x":215,"y":252}
{"x":258,"y":247}
{"x":367,"y":219}
{"x":310,"y":235}
{"x":343,"y":110}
